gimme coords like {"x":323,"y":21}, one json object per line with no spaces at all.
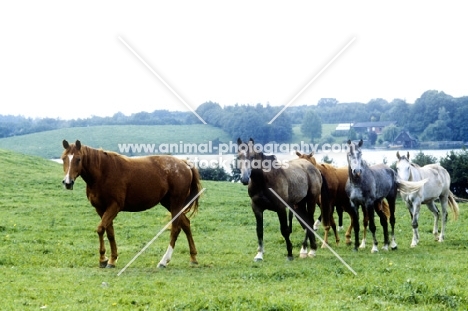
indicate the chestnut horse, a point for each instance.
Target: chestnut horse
{"x":116,"y":183}
{"x":336,"y":180}
{"x":297,"y":182}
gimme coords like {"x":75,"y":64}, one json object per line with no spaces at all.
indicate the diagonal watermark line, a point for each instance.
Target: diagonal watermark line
{"x":160,"y":79}
{"x":313,"y":79}
{"x":160,"y":232}
{"x":308,"y":227}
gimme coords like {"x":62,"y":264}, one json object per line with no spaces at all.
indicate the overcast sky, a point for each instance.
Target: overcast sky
{"x":66,"y":60}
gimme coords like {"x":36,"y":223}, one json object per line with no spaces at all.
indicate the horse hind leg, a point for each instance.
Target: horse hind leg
{"x":185,"y":222}
{"x":443,"y":221}
{"x":175,"y":230}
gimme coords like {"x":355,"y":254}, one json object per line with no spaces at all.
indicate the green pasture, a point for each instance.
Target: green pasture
{"x":49,"y":256}
{"x":49,"y":144}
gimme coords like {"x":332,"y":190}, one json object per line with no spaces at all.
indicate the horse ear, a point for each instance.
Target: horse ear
{"x":251,"y":139}
{"x":239,"y":141}
{"x":65,"y":144}
{"x":349,"y":141}
{"x":311,"y":154}
{"x":78,"y":144}
{"x":407,"y":154}
{"x":298,"y":153}
{"x":360,"y":143}
{"x":398,"y":155}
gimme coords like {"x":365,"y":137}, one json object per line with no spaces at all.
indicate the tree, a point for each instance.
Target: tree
{"x":422,"y":159}
{"x":439,"y":130}
{"x":456,"y":164}
{"x":372,"y":137}
{"x":311,"y":125}
{"x":390,"y":132}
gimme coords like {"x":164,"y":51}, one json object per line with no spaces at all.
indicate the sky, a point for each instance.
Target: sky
{"x":69,"y":60}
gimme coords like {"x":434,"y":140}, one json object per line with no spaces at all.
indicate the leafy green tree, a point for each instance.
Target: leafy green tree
{"x":456,"y":164}
{"x":422,"y":159}
{"x":439,"y":130}
{"x":372,"y":137}
{"x":311,"y":126}
{"x":390,"y":132}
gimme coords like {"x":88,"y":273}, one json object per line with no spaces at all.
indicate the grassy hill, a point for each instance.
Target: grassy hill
{"x":49,"y":144}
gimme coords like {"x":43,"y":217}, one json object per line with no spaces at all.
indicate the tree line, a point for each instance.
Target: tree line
{"x":434,"y":116}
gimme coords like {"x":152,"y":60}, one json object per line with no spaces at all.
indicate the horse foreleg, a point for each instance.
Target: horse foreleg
{"x":391,"y":204}
{"x":415,"y":208}
{"x":106,"y":225}
{"x":282,"y":217}
{"x":259,"y":223}
{"x":339,"y":211}
{"x":372,"y":228}
{"x":443,"y":221}
{"x":365,"y":223}
{"x":185,"y":222}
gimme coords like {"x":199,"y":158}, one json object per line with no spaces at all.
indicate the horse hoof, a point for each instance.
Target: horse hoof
{"x":355,"y":249}
{"x":290,"y":258}
{"x":161,"y":266}
{"x":258,"y":259}
{"x":103,"y":264}
{"x":110,"y":266}
{"x":303,"y":255}
{"x":194,"y":263}
{"x":394,"y":248}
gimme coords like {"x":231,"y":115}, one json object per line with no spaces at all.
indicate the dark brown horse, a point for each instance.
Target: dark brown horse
{"x":297,"y":182}
{"x":116,"y":183}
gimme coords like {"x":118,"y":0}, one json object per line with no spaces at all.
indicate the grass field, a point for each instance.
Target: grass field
{"x":49,"y":256}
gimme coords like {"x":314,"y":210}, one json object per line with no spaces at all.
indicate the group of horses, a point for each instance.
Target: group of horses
{"x":374,"y":188}
{"x":116,"y":183}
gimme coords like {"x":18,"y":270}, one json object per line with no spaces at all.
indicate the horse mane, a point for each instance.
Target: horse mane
{"x":96,"y":156}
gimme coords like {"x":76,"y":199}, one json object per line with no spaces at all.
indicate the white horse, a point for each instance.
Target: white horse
{"x":437,"y":186}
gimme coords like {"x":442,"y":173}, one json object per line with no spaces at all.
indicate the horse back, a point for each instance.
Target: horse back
{"x":438,"y":180}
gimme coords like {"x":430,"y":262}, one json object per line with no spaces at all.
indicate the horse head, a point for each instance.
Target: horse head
{"x":309,"y":157}
{"x":72,"y":164}
{"x":355,"y":158}
{"x":403,"y":166}
{"x":245,"y":154}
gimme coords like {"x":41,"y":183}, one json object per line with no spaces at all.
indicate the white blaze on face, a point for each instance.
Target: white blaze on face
{"x":67,"y":176}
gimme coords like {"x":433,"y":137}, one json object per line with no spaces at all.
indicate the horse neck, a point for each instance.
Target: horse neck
{"x":93,"y":163}
{"x":415,"y":174}
{"x":258,"y":175}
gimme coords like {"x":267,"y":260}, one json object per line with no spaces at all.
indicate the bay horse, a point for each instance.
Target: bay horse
{"x":436,"y":187}
{"x":297,"y":182}
{"x":116,"y":183}
{"x":367,"y":186}
{"x":337,"y":177}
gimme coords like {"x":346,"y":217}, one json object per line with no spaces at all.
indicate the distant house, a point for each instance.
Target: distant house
{"x":367,"y":127}
{"x":405,"y":140}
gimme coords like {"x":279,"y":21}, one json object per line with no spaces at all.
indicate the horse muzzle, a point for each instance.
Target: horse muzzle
{"x":357,"y":172}
{"x":68,"y":184}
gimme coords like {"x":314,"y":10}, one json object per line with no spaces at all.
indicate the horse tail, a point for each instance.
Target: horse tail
{"x":327,"y":210}
{"x":383,"y":206}
{"x":453,"y":205}
{"x":195,"y":188}
{"x":409,"y":187}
